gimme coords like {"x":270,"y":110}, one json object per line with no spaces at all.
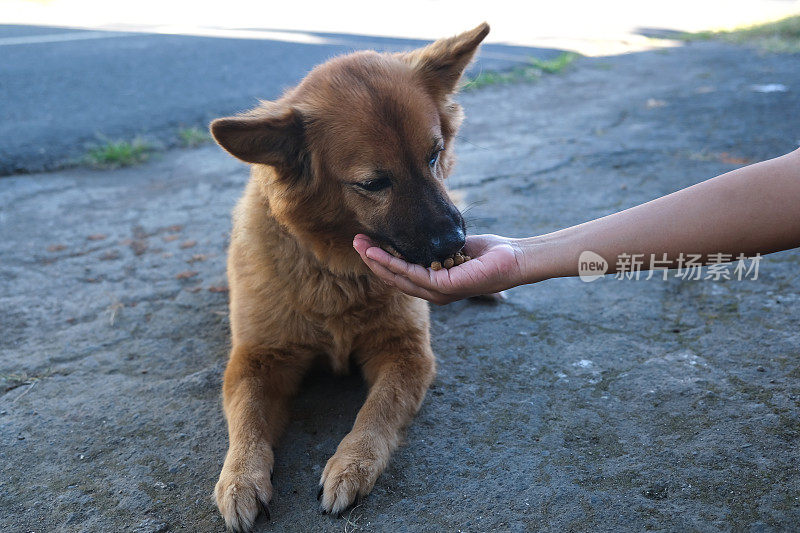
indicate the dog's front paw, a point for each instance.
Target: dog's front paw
{"x":241,"y":494}
{"x":351,"y":472}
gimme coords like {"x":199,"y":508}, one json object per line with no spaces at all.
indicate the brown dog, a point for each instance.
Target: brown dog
{"x":362,"y":145}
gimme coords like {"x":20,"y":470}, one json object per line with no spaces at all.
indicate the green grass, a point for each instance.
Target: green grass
{"x":532,"y":71}
{"x":110,"y":154}
{"x":14,"y":380}
{"x":782,"y":36}
{"x":193,"y":137}
{"x":555,"y":65}
{"x":115,"y":154}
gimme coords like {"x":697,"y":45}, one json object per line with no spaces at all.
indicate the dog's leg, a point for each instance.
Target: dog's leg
{"x":256,"y":392}
{"x":398,"y":378}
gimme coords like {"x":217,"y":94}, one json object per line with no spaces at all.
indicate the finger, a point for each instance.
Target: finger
{"x":444,"y":281}
{"x":362,"y":243}
{"x":377,"y":254}
{"x":403,"y":283}
{"x":440,"y":282}
{"x":398,"y":280}
{"x":365,"y":238}
{"x":416,"y":273}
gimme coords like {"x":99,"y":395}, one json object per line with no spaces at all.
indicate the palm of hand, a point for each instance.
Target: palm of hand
{"x":495,"y":261}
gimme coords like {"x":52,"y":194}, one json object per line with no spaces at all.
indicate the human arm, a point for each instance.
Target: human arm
{"x":754,"y":209}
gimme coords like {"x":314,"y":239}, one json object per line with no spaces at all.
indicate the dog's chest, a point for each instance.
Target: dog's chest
{"x":340,"y":345}
{"x":337,"y":337}
{"x":339,"y":312}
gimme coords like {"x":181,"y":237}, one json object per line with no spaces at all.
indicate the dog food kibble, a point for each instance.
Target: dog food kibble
{"x":456,"y":259}
{"x":391,"y":250}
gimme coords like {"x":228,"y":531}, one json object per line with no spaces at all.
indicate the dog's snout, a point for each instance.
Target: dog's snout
{"x":447,"y":243}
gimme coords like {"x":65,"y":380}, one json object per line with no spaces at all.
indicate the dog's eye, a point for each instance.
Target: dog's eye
{"x":375,"y":185}
{"x":435,"y":157}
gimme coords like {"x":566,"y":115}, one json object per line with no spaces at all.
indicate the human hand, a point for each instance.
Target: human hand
{"x":496,"y":265}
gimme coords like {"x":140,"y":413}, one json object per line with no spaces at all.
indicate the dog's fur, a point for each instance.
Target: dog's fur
{"x":298,"y":290}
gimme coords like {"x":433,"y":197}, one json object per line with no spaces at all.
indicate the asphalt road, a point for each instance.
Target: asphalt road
{"x":63,"y":89}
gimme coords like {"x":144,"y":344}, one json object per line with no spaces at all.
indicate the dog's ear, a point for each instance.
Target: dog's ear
{"x":441,"y":63}
{"x":267,"y":135}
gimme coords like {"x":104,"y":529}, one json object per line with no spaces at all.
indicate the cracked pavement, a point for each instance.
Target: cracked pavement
{"x":605,"y":406}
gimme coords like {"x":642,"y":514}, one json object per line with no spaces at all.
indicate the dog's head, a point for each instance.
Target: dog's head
{"x":363,"y":145}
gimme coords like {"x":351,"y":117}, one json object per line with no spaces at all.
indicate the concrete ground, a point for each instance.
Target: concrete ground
{"x":616,"y":405}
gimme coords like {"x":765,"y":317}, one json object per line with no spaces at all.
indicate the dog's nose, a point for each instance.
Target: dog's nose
{"x":446,"y":244}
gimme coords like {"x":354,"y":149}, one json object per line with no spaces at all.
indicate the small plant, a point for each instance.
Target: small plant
{"x":492,"y":78}
{"x":14,"y":380}
{"x":779,"y":36}
{"x":555,"y":65}
{"x":193,"y":137}
{"x":532,"y":71}
{"x":115,"y":154}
